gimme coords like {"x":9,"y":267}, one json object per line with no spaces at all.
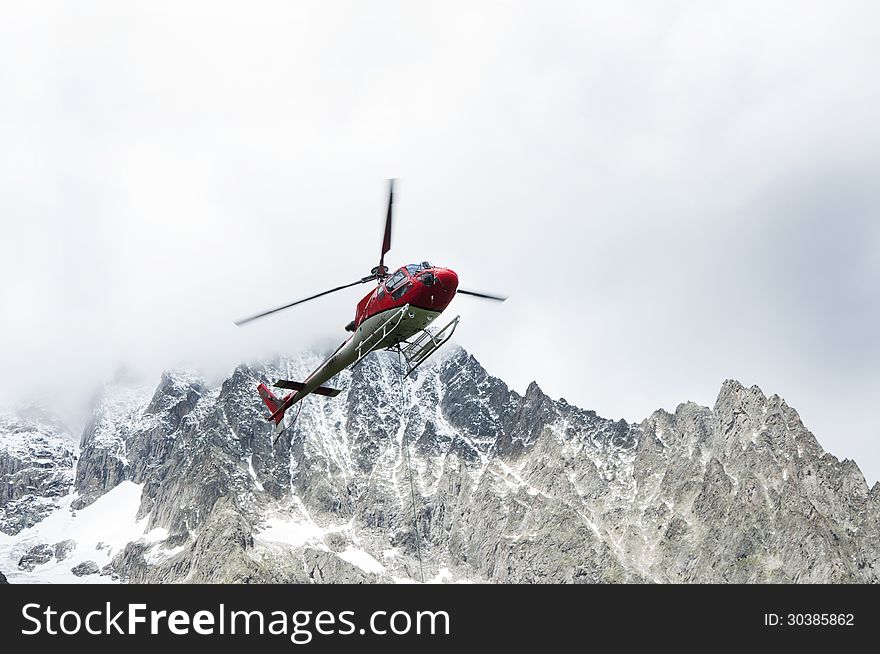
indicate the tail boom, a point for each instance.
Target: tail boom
{"x":298,"y":386}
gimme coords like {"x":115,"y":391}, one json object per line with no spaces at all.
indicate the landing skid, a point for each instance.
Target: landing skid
{"x":417,"y":351}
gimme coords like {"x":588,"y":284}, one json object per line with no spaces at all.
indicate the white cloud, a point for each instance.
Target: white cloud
{"x":672,"y":194}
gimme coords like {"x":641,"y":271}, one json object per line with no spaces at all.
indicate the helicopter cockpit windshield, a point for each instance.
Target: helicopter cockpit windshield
{"x":400,"y":277}
{"x":415,"y":268}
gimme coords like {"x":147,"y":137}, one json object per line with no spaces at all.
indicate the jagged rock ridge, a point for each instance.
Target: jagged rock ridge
{"x":507,"y":488}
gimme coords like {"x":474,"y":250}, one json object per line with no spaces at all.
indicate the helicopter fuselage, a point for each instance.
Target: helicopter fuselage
{"x":426,"y":289}
{"x":420,"y":285}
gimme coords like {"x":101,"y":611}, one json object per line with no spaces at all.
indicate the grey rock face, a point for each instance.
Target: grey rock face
{"x":37,"y":555}
{"x":131,"y":432}
{"x":103,"y":460}
{"x":25,"y":512}
{"x":36,"y":467}
{"x":325,"y":568}
{"x":3,"y":579}
{"x":99,"y":471}
{"x":85,"y":568}
{"x":488,"y":485}
{"x":64,"y":548}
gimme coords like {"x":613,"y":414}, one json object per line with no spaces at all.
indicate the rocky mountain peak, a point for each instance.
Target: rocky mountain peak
{"x":497,"y":486}
{"x":176,"y":389}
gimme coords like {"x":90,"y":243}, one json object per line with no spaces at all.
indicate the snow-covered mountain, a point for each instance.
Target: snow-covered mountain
{"x":36,"y":466}
{"x":182,"y":483}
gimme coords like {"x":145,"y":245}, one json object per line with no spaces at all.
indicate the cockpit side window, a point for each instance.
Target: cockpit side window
{"x":403,"y":290}
{"x":396,"y":280}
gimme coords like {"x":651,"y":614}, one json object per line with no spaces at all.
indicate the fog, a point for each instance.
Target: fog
{"x":672,"y":194}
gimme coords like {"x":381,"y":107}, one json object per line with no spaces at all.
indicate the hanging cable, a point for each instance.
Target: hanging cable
{"x":412,"y":487}
{"x":299,"y":407}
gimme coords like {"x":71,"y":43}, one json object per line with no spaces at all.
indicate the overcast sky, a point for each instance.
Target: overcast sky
{"x":671,"y":193}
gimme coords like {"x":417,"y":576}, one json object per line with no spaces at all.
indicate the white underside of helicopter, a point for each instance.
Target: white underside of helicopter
{"x":412,"y":320}
{"x":406,"y":327}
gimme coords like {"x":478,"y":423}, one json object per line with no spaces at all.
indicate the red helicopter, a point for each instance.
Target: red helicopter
{"x":396,"y":316}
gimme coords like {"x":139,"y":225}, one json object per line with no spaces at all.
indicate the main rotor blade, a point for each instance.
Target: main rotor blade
{"x":363,"y":280}
{"x":485,"y":296}
{"x":386,"y":241}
